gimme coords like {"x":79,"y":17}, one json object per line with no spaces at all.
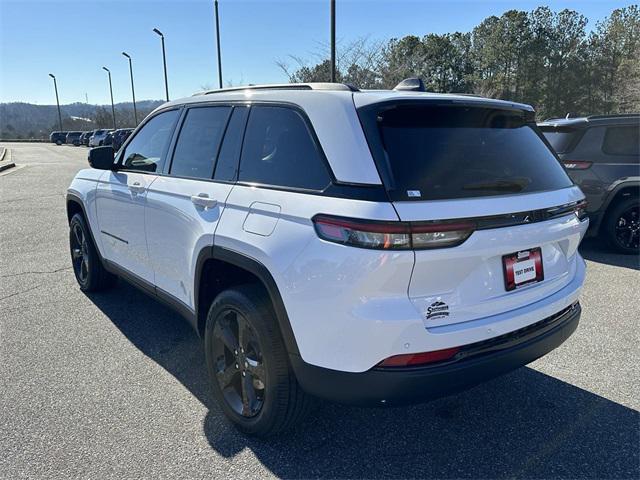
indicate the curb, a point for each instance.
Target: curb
{"x":5,"y":163}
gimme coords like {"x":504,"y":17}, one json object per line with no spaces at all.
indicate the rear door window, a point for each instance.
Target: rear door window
{"x":279,"y":150}
{"x":435,"y":152}
{"x":227,"y":164}
{"x":622,"y":140}
{"x":198,"y":143}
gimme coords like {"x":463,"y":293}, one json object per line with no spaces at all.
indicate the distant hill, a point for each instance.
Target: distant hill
{"x":25,"y":120}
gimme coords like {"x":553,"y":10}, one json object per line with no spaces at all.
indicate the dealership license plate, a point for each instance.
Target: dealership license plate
{"x":522,"y":268}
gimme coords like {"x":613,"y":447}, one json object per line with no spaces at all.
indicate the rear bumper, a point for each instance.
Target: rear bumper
{"x":480,"y":362}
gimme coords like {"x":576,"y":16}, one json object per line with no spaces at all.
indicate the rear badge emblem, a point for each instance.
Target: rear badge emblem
{"x":414,"y":193}
{"x":437,"y":310}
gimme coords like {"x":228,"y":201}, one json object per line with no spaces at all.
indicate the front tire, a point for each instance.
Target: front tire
{"x":622,"y":227}
{"x":87,"y":266}
{"x":248,"y":364}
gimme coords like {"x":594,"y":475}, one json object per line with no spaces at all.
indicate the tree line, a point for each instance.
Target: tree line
{"x":544,"y":58}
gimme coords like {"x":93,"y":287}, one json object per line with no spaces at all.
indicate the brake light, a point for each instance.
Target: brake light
{"x":391,"y":235}
{"x":414,"y":359}
{"x":576,"y":165}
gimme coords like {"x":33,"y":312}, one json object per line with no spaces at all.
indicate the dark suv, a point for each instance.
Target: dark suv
{"x":73,"y":138}
{"x":601,"y":155}
{"x":58,"y":137}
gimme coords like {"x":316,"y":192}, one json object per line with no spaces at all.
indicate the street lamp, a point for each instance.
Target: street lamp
{"x":333,"y":41}
{"x":55,"y":86}
{"x":113,"y":109}
{"x":218,"y":44}
{"x":164,"y":61}
{"x":133,"y":92}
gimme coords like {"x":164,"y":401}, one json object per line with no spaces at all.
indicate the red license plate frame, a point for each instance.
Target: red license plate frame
{"x":510,"y":263}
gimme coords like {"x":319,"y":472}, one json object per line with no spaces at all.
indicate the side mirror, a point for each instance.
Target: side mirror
{"x":102,"y":158}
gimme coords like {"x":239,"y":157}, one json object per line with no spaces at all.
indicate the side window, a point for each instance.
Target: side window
{"x":199,"y":141}
{"x":146,"y":150}
{"x":227,"y":165}
{"x":622,"y":140}
{"x":279,"y":150}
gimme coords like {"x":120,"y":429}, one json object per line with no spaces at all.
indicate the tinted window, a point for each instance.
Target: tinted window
{"x":445,"y":152}
{"x":197,"y":147}
{"x":279,"y":150}
{"x":227,"y":164}
{"x":622,"y":141}
{"x":146,"y":150}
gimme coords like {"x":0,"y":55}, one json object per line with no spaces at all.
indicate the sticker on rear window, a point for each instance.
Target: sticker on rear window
{"x":414,"y":193}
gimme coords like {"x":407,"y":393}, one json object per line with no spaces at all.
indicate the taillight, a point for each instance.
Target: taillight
{"x":581,"y":210}
{"x":391,"y":235}
{"x":574,"y":165}
{"x":415,"y":359}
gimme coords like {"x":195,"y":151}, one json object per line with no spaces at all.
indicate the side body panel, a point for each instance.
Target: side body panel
{"x":178,"y":229}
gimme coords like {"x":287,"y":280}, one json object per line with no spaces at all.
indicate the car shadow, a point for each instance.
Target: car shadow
{"x":596,"y":250}
{"x":523,"y":425}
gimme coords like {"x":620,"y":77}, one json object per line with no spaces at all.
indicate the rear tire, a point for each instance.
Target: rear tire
{"x":87,"y":265}
{"x":248,"y":364}
{"x":622,"y":226}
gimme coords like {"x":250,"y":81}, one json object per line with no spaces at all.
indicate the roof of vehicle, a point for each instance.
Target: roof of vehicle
{"x":592,"y":120}
{"x":293,"y":92}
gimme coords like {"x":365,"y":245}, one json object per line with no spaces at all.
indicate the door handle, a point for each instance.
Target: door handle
{"x":203,"y":200}
{"x":137,"y":187}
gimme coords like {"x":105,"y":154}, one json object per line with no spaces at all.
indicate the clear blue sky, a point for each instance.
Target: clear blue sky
{"x":74,"y":39}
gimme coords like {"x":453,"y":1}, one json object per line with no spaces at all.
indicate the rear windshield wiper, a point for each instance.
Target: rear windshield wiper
{"x":512,"y":185}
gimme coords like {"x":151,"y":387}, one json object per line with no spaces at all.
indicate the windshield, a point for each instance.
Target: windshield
{"x":436,"y":152}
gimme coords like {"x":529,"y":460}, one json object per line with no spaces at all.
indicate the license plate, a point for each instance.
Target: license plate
{"x":522,"y":268}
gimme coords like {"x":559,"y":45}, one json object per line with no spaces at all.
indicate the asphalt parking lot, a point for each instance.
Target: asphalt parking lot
{"x":113,"y":385}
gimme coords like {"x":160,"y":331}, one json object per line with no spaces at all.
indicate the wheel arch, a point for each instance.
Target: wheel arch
{"x":218,"y":268}
{"x":620,"y":191}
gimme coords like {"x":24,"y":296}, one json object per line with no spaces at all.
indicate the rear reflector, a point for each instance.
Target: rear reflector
{"x":415,"y":359}
{"x":576,"y":165}
{"x":391,"y":235}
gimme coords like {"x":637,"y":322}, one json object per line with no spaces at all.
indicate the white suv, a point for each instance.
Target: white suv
{"x":367,"y":247}
{"x":97,"y":139}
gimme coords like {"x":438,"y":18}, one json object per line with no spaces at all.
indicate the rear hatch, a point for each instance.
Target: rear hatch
{"x":485,"y":170}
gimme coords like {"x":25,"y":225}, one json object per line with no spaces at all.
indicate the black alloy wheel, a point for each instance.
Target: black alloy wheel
{"x":239,"y":364}
{"x":627,"y":229}
{"x":79,"y":253}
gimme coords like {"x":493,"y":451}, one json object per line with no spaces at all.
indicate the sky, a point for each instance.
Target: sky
{"x":75,"y":39}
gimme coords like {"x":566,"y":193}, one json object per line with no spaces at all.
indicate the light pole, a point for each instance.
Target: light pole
{"x":333,"y":40}
{"x":133,"y":92}
{"x":164,"y":61}
{"x":113,"y":109}
{"x":218,"y":44}
{"x":55,"y":86}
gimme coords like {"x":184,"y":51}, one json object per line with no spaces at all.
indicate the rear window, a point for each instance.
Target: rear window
{"x":435,"y":152}
{"x":562,"y":139}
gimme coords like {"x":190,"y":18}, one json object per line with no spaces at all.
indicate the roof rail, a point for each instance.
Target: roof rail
{"x":614,"y":115}
{"x":285,"y":86}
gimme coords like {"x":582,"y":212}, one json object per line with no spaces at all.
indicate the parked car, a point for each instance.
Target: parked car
{"x":120,"y":136}
{"x":602,"y":155}
{"x":73,"y":138}
{"x":84,"y":138}
{"x":97,"y":139}
{"x":108,"y":138}
{"x":58,"y":137}
{"x":371,"y":248}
